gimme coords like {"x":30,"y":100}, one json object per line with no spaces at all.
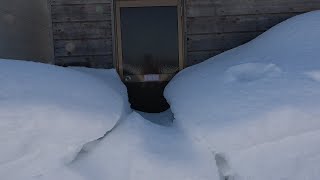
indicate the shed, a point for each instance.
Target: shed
{"x":151,"y":40}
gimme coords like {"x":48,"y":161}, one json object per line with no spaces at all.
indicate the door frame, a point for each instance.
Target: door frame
{"x":117,"y":41}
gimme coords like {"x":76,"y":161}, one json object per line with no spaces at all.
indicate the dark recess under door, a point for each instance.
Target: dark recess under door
{"x":147,"y":96}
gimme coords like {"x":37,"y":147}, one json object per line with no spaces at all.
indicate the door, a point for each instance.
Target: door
{"x":149,"y":41}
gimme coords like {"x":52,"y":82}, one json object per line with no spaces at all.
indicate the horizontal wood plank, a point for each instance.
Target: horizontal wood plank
{"x":203,"y":25}
{"x":82,"y":30}
{"x":72,"y":2}
{"x":198,"y":8}
{"x":85,"y":47}
{"x":87,"y":61}
{"x":238,"y":7}
{"x":81,"y":13}
{"x":141,"y":3}
{"x":218,"y":41}
{"x":196,"y":57}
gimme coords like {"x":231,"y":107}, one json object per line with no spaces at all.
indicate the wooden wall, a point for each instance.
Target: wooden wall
{"x":82,"y":29}
{"x":214,"y":26}
{"x":82,"y":32}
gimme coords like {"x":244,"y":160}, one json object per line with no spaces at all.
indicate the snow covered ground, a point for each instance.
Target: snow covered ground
{"x":48,"y":113}
{"x":257,"y":106}
{"x":139,"y":149}
{"x":251,"y":113}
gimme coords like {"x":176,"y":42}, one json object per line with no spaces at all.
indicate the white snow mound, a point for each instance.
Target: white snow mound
{"x":251,"y":103}
{"x":47,"y":113}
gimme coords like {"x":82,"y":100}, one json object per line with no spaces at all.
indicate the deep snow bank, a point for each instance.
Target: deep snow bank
{"x":262,"y":92}
{"x":47,"y":113}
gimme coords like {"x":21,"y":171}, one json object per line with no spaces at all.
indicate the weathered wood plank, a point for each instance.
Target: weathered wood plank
{"x":198,"y":8}
{"x":237,"y":7}
{"x":81,"y":13}
{"x":218,"y":41}
{"x":85,"y":47}
{"x":200,"y":56}
{"x":82,"y":30}
{"x":203,"y":25}
{"x":70,"y":2}
{"x":201,"y":10}
{"x":87,"y":61}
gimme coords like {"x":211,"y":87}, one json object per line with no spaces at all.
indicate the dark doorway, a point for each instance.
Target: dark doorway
{"x":149,"y":39}
{"x":149,"y":49}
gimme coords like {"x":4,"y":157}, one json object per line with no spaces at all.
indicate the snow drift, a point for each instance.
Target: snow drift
{"x":140,"y":150}
{"x":251,"y":113}
{"x":249,"y":105}
{"x":47,"y":113}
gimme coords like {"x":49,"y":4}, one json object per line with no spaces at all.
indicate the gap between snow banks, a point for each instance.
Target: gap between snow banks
{"x":165,"y":119}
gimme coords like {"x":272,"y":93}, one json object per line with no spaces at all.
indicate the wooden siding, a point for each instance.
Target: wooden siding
{"x":82,"y":29}
{"x":82,"y":32}
{"x":214,"y":26}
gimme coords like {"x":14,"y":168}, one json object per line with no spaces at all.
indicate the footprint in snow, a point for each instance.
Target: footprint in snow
{"x":248,"y":72}
{"x":314,"y":75}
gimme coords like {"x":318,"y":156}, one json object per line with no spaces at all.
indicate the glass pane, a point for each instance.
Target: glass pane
{"x":149,"y":40}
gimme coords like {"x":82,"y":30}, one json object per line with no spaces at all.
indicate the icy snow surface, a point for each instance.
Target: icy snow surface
{"x":257,"y":106}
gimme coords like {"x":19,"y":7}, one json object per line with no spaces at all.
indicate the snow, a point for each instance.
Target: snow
{"x":314,"y":75}
{"x":140,"y":149}
{"x":294,"y":157}
{"x":165,"y":118}
{"x":251,"y":113}
{"x":48,"y":113}
{"x":257,"y":106}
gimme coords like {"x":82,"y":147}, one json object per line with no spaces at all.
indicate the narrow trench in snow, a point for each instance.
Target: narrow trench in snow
{"x":224,"y":168}
{"x":147,"y":100}
{"x":164,"y":118}
{"x":147,"y":96}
